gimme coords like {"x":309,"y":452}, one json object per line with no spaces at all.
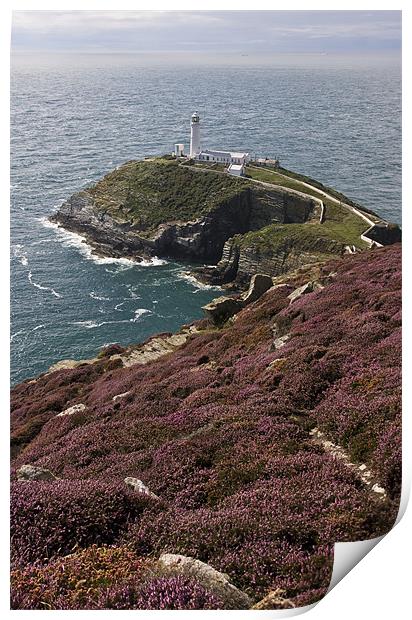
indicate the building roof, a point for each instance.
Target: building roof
{"x":236,"y":167}
{"x":238,"y":155}
{"x":226,"y":153}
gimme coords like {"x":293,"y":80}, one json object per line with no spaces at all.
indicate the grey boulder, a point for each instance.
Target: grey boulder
{"x":31,"y":472}
{"x":212,"y":580}
{"x":259,"y":284}
{"x":139,"y":486}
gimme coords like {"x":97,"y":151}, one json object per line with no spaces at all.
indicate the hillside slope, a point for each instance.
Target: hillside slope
{"x":229,"y":434}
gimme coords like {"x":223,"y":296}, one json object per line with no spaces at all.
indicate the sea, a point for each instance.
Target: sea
{"x":76,"y":117}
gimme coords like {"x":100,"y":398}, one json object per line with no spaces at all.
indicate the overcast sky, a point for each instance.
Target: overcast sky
{"x":207,"y":31}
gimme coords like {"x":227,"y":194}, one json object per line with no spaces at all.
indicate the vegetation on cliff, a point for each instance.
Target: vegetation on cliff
{"x":220,"y":431}
{"x":184,"y":210}
{"x":339,"y":223}
{"x":151,"y":192}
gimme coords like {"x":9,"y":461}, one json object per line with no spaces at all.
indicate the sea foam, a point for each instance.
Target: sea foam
{"x":186,"y":275}
{"x":79,"y":242}
{"x":41,"y":287}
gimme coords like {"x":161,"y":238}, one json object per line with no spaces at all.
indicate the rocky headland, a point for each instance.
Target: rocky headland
{"x":268,"y":222}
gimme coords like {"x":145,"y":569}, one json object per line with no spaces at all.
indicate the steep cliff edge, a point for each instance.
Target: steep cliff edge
{"x":159,"y":207}
{"x":268,"y":222}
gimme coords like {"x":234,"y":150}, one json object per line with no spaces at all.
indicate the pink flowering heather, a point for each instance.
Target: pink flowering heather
{"x":220,"y":431}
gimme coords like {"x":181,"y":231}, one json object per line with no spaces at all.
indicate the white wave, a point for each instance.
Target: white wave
{"x":186,"y":275}
{"x":133,"y":295}
{"x":138,"y":313}
{"x":13,"y":336}
{"x":94,"y":296}
{"x":37,"y":327}
{"x":93,"y":324}
{"x":86,"y":324}
{"x":79,"y":242}
{"x":42,"y":288}
{"x":117,"y":306}
{"x":106,"y":260}
{"x":18,"y":252}
{"x":152,"y":262}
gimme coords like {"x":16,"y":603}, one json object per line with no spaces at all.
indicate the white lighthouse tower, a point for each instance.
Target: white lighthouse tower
{"x":195,"y":135}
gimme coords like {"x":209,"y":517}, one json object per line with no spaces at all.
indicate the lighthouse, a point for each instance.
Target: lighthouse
{"x":195,"y":135}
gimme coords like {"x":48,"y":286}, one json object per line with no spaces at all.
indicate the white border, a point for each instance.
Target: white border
{"x":379,"y":586}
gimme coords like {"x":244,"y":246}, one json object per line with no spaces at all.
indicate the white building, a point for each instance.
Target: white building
{"x":238,"y":170}
{"x":179,"y":150}
{"x":238,"y":159}
{"x":223,"y":157}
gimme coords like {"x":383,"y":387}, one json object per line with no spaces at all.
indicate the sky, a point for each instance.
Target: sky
{"x":243,"y":32}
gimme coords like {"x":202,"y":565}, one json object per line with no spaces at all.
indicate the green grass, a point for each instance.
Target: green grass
{"x":270,"y":176}
{"x":313,"y":238}
{"x":148,"y":193}
{"x":296,"y":176}
{"x":340,"y":224}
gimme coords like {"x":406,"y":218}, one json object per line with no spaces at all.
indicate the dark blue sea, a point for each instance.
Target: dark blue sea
{"x":74,"y":118}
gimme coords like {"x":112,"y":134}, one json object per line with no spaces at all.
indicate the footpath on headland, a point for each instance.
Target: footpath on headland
{"x":369,"y":218}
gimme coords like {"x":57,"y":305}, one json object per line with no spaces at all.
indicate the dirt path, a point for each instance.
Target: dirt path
{"x":355,"y":211}
{"x":338,"y":452}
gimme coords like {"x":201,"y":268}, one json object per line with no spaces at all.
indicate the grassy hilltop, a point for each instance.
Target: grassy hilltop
{"x":151,"y":192}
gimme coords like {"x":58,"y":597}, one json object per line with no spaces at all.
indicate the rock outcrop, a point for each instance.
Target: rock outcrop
{"x":222,"y":308}
{"x":259,"y":284}
{"x":308,"y":287}
{"x":31,"y":472}
{"x":274,"y":600}
{"x":217,"y":583}
{"x":72,"y":410}
{"x":241,"y":260}
{"x":139,"y":486}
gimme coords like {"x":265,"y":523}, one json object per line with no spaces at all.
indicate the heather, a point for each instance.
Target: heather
{"x":76,"y":581}
{"x":219,"y":430}
{"x":54,"y":518}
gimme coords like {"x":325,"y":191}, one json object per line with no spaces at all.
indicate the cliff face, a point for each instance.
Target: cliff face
{"x":209,"y":450}
{"x":242,"y":226}
{"x":227,"y":207}
{"x":240,"y":260}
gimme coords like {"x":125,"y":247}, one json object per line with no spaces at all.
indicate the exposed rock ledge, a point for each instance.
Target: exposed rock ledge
{"x":222,"y":308}
{"x":148,"y":351}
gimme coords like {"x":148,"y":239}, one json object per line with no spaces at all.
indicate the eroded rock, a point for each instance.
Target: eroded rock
{"x":309,"y":287}
{"x":274,"y":600}
{"x":120,"y":396}
{"x":259,"y":284}
{"x":301,"y":290}
{"x":221,"y":309}
{"x":278,"y":343}
{"x":216,"y":582}
{"x":31,"y":472}
{"x":72,"y":410}
{"x":139,"y":486}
